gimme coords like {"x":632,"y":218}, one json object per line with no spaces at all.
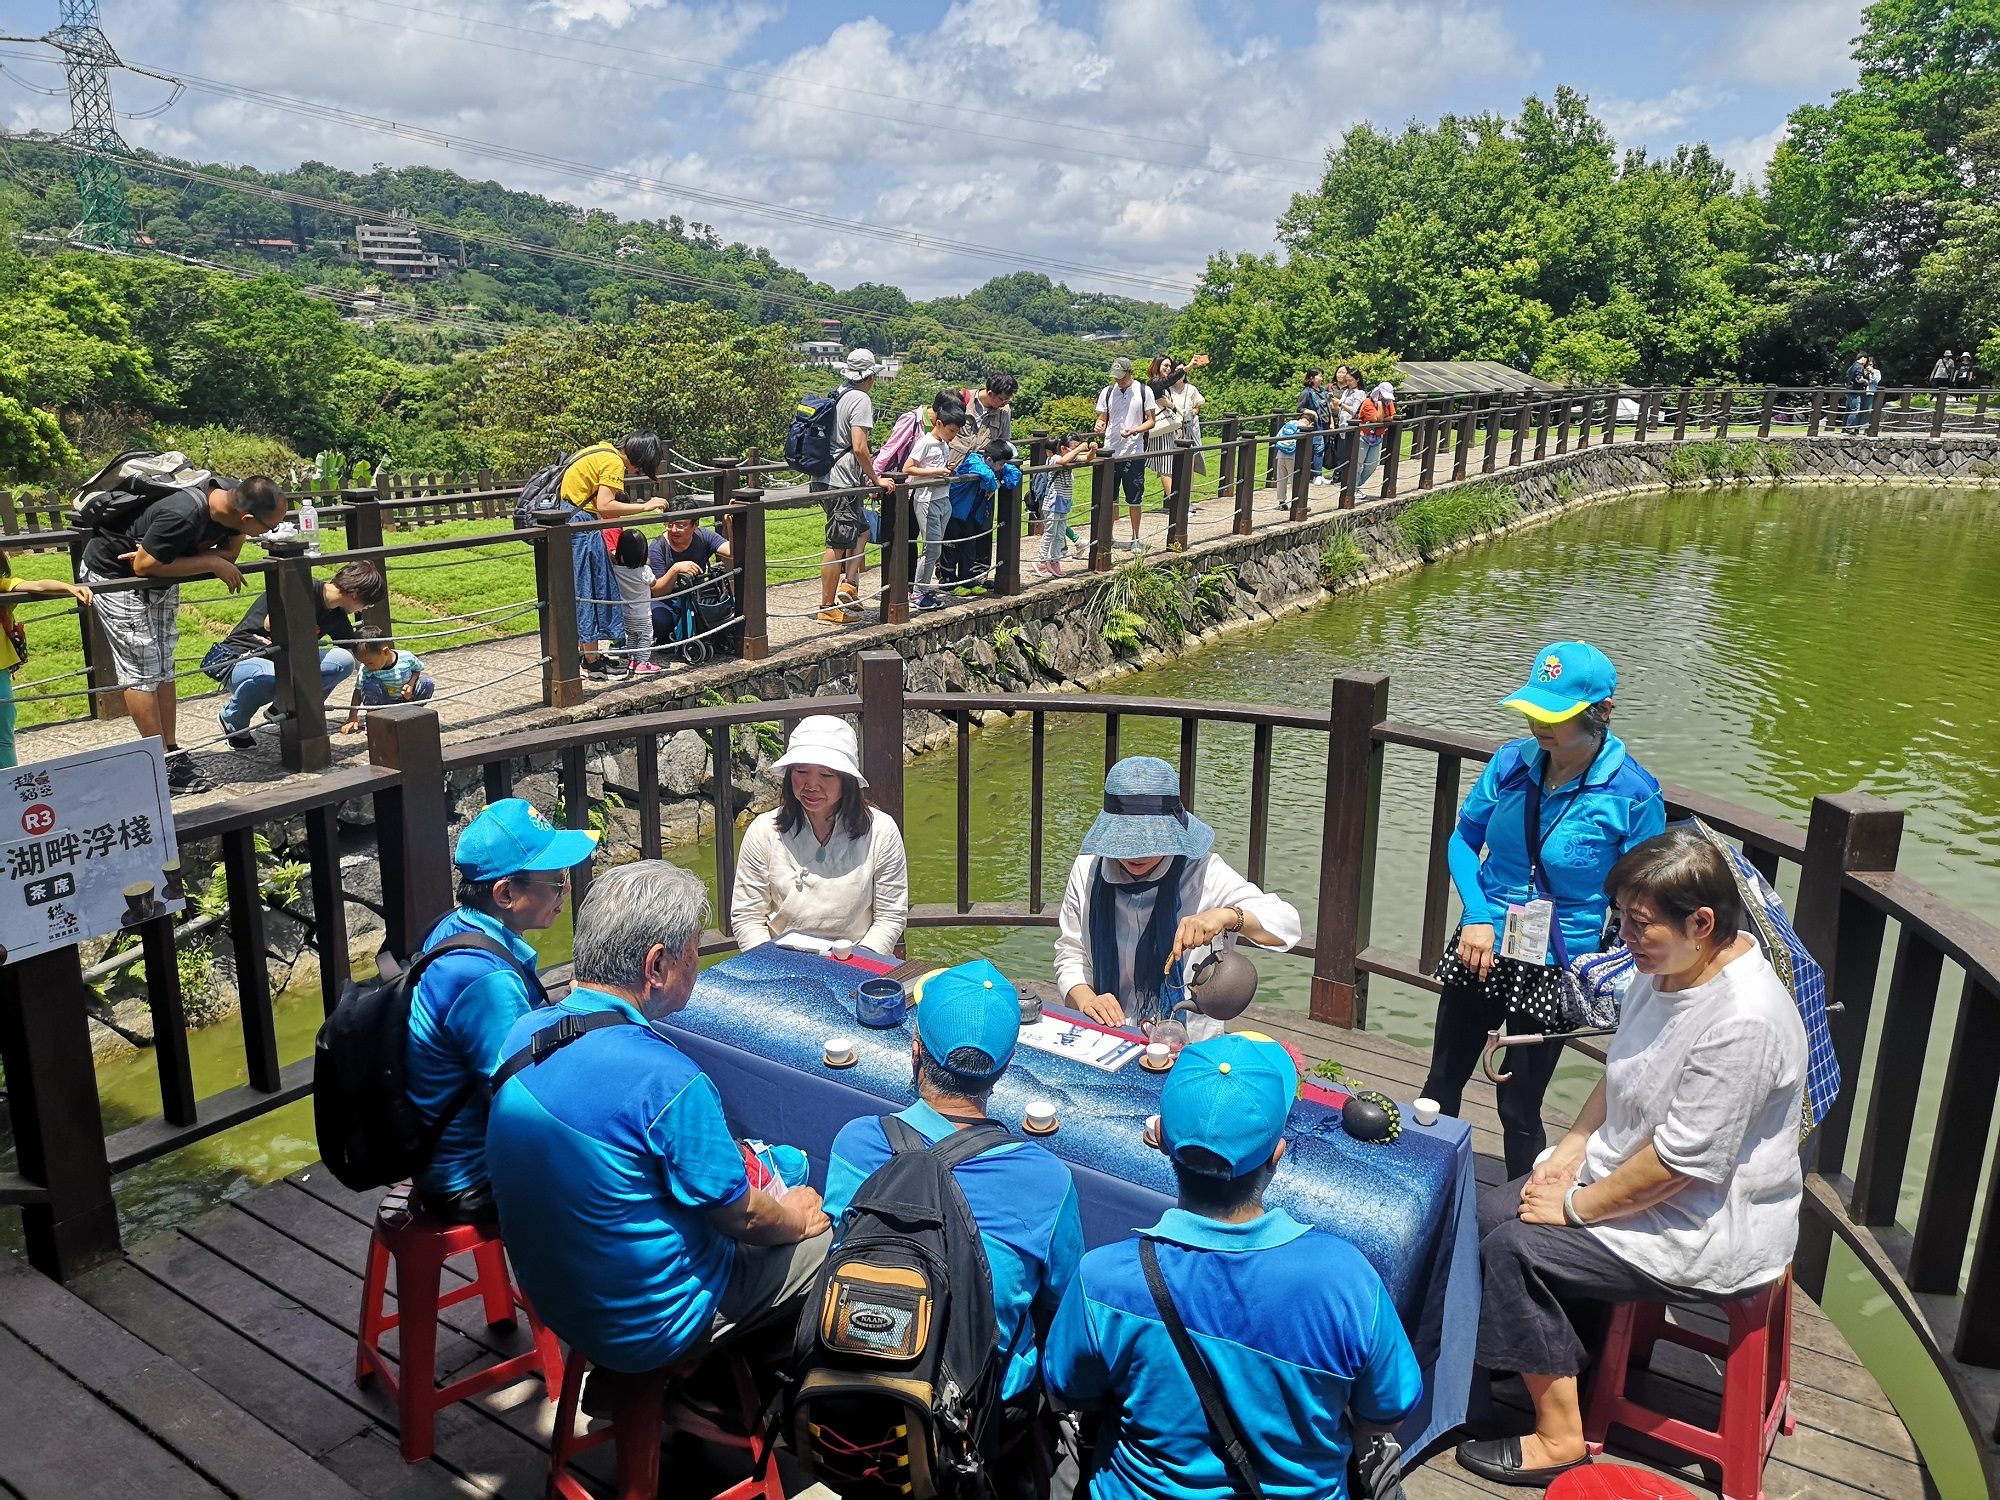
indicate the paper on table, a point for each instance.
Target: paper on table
{"x":804,"y":942}
{"x":1103,"y":1050}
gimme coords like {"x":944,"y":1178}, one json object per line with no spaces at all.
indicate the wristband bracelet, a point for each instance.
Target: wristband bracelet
{"x":1571,"y":1217}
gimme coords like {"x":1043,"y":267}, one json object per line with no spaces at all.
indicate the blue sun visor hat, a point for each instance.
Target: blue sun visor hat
{"x":1229,"y":1096}
{"x":1144,"y":816}
{"x":510,"y":837}
{"x":971,"y":1005}
{"x":1568,"y":677}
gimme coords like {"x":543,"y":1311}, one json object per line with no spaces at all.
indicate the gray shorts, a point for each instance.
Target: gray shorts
{"x":142,"y":627}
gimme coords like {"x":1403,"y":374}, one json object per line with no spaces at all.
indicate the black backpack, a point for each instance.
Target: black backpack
{"x":811,"y":444}
{"x":117,"y":496}
{"x":897,"y":1370}
{"x":370,"y":1134}
{"x":543,"y":488}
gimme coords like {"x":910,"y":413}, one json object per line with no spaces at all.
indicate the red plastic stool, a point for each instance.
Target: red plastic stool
{"x":1615,"y":1482}
{"x":1756,"y":1384}
{"x":420,"y":1246}
{"x":638,"y":1409}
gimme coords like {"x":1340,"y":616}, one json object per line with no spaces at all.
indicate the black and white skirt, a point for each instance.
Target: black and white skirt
{"x":1538,"y":993}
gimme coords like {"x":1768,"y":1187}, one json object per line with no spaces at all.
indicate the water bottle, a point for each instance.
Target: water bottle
{"x":309,"y":525}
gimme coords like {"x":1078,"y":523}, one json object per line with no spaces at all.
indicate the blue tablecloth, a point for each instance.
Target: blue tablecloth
{"x":756,"y":1025}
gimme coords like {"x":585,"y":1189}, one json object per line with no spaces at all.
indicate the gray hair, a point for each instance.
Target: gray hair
{"x":628,"y":910}
{"x":1597,"y":719}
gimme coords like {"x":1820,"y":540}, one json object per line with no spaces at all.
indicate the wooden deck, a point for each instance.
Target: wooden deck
{"x":218,"y":1359}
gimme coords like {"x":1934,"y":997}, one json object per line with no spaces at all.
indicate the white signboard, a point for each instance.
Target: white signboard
{"x":86,"y":847}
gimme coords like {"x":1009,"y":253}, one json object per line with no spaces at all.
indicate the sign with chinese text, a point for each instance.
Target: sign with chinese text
{"x":86,"y":847}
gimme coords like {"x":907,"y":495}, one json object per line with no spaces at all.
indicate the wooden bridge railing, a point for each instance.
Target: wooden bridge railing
{"x":1939,"y":1262}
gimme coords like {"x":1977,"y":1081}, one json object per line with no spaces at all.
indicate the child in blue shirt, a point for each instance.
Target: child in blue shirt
{"x":969,"y":534}
{"x":1284,"y":445}
{"x":387,"y":676}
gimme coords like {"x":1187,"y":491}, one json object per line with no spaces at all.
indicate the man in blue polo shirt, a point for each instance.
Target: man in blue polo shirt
{"x":1294,"y":1325}
{"x":512,"y":873}
{"x":1021,"y":1196}
{"x":623,"y":1197}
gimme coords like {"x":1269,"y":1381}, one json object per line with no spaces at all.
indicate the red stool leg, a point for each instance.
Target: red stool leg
{"x":496,"y":1288}
{"x":417,"y":1272}
{"x":636,"y":1411}
{"x":1781,"y":1349}
{"x":564,"y":1446}
{"x":1607,"y":1381}
{"x":374,"y":1286}
{"x":1649,"y":1326}
{"x":1743,"y":1402}
{"x":548,"y":1348}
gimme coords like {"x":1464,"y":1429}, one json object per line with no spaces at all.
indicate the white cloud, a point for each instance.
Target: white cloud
{"x":1632,"y":121}
{"x":1800,"y":45}
{"x":1748,"y":156}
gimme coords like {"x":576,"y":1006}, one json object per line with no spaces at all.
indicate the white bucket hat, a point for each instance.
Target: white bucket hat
{"x":861,"y":364}
{"x":825,"y":741}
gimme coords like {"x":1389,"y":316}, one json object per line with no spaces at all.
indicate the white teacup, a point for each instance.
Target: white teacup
{"x":842,"y":950}
{"x":1152,"y":1131}
{"x":1041,"y":1115}
{"x":838,"y":1051}
{"x":1158,"y":1054}
{"x":1426,"y":1111}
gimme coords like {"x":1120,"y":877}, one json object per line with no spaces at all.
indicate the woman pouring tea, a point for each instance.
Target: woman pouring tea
{"x":1148,"y":900}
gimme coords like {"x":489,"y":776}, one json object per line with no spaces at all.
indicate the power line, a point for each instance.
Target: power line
{"x":806,"y":218}
{"x":1015,"y":143}
{"x":1048,"y":347}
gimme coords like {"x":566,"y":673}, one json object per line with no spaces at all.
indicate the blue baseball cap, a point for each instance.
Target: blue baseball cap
{"x":510,"y":836}
{"x":971,"y":1005}
{"x":1568,"y":677}
{"x":1229,"y":1095}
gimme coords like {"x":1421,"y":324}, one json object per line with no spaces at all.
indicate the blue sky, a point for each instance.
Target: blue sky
{"x":1115,"y":143}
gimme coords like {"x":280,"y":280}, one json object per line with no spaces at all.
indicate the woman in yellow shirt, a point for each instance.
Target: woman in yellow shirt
{"x":593,"y":486}
{"x":13,"y":643}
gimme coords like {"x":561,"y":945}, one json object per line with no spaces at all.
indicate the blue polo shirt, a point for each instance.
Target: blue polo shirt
{"x":1295,"y":1324}
{"x":463,"y":1008}
{"x":1024,"y":1201}
{"x":1586,"y":825}
{"x":607,"y":1158}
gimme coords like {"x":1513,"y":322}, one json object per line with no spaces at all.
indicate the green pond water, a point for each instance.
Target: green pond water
{"x":1772,"y":644}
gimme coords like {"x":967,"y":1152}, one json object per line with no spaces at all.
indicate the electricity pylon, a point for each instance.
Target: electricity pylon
{"x":106,"y":218}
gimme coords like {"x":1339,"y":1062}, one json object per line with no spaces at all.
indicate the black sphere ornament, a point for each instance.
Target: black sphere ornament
{"x":1371,"y":1117}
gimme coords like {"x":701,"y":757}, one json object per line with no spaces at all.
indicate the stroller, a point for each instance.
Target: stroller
{"x":691,"y":623}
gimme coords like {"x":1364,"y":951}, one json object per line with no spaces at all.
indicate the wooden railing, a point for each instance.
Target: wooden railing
{"x":1939,"y":1266}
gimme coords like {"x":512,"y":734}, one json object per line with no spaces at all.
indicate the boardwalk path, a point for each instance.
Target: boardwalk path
{"x":218,"y":1358}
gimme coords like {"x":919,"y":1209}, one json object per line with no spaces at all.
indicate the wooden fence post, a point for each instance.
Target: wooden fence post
{"x":1040,"y":450}
{"x":364,"y":529}
{"x":1271,"y":453}
{"x":72,"y":1224}
{"x":878,"y":678}
{"x":1006,"y":577}
{"x":1427,"y":426}
{"x":1813,"y":413}
{"x":106,"y":702}
{"x":1541,"y":430}
{"x":299,"y":702}
{"x":1225,"y":459}
{"x":1246,"y":482}
{"x":1562,"y":424}
{"x":411,"y":819}
{"x":1874,"y":414}
{"x":555,"y":582}
{"x":1461,"y":456}
{"x":1348,"y":477}
{"x":895,"y":555}
{"x":1489,"y":454}
{"x":1583,"y":427}
{"x":1722,"y":416}
{"x":1347,"y":848}
{"x":1182,"y":500}
{"x":1392,"y":457}
{"x":1103,"y":506}
{"x":1646,"y":399}
{"x":1518,"y":440}
{"x":1303,"y":473}
{"x":750,"y":582}
{"x":1681,"y":414}
{"x":1766,"y":411}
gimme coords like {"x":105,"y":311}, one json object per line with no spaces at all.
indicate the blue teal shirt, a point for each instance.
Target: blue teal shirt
{"x":1586,"y":825}
{"x":608,"y":1157}
{"x":1295,"y":1324}
{"x":1023,"y":1200}
{"x":460,"y":1015}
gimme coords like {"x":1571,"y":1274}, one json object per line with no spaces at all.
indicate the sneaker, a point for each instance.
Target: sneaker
{"x":847,"y":593}
{"x":833,"y":617}
{"x":645,"y":664}
{"x":1079,"y":551}
{"x":1129,"y":544}
{"x":1048,"y":569}
{"x":240,"y":739}
{"x":927,"y":600}
{"x":1321,"y":479}
{"x":183,"y":775}
{"x":596,"y":666}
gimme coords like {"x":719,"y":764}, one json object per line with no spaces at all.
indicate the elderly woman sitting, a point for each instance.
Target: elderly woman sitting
{"x":1680,"y":1180}
{"x":825,"y":863}
{"x":1147,"y":897}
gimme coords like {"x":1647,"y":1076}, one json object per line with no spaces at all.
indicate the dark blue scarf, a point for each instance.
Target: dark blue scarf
{"x":1149,"y":964}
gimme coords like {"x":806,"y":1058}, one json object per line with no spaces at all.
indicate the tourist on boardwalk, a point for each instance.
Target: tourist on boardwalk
{"x":1965,"y":369}
{"x":1057,"y":498}
{"x":244,"y":662}
{"x":1378,"y":410}
{"x":513,"y":871}
{"x":1021,"y":1196}
{"x":1944,"y":372}
{"x":196,"y":533}
{"x":989,"y":416}
{"x":14,"y":641}
{"x":928,"y":468}
{"x":1857,"y":392}
{"x":969,"y":532}
{"x":624,"y":1200}
{"x":388,"y":676}
{"x":1553,"y":811}
{"x":1148,"y":898}
{"x":1174,"y":426}
{"x":853,"y":469}
{"x":632,"y":572}
{"x":1680,"y":1179}
{"x":1313,"y":401}
{"x":678,"y":560}
{"x":1295,"y":1327}
{"x":1874,"y":385}
{"x":1285,"y":445}
{"x":824,"y":864}
{"x":593,"y":487}
{"x":1125,"y":412}
{"x":1347,"y":402}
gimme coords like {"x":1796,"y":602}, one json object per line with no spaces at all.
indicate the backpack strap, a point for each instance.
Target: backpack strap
{"x":958,"y":1147}
{"x":479,"y":942}
{"x":1214,"y":1405}
{"x":550,"y":1040}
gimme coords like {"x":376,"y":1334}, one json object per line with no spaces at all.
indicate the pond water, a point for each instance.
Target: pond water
{"x":1772,"y":643}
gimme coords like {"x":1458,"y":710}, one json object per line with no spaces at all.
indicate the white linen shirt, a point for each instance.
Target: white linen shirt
{"x":1206,"y":883}
{"x":1713,"y":1078}
{"x":852,"y":889}
{"x":1121,"y":409}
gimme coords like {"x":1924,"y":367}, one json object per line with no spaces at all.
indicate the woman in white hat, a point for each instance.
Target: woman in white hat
{"x":1148,"y":898}
{"x":825,"y":862}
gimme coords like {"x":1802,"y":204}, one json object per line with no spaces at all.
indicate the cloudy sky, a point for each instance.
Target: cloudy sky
{"x":1114,"y":143}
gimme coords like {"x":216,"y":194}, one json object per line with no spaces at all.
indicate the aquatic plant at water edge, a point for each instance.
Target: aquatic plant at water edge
{"x":1135,"y":596}
{"x":1438,"y":520}
{"x":1340,"y":559}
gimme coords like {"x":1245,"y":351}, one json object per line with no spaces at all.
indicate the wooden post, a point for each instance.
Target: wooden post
{"x":1583,"y":427}
{"x":878,"y":678}
{"x":895,"y":607}
{"x":1103,"y":506}
{"x":1681,"y":414}
{"x":411,"y":819}
{"x":1723,"y":415}
{"x":52,"y":1105}
{"x":1461,"y":457}
{"x":1766,"y":411}
{"x":1611,"y":417}
{"x":1392,"y":457}
{"x":1007,"y":539}
{"x":1562,"y":424}
{"x":1350,"y":467}
{"x":1646,"y":399}
{"x":300,"y":704}
{"x":1874,"y":413}
{"x":106,"y":702}
{"x":1489,"y":455}
{"x":1040,"y":451}
{"x":1541,"y":430}
{"x":1518,"y":442}
{"x":1246,"y":482}
{"x":555,"y":583}
{"x":1225,"y":458}
{"x":1426,"y":443}
{"x":364,"y":529}
{"x":750,"y":592}
{"x":1813,"y":412}
{"x":1302,"y":475}
{"x":1937,"y":413}
{"x":1271,"y":455}
{"x":1182,"y":499}
{"x":1347,"y":848}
